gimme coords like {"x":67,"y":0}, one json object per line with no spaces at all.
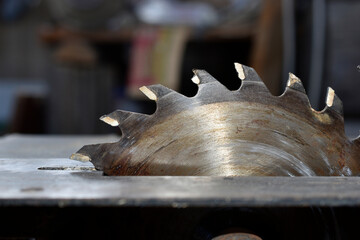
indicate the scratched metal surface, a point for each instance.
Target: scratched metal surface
{"x":47,"y":146}
{"x":64,"y":182}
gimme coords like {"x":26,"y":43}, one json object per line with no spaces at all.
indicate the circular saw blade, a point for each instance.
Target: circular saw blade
{"x":218,"y":132}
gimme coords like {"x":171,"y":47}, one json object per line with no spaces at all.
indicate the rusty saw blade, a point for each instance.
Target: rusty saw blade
{"x":218,"y":132}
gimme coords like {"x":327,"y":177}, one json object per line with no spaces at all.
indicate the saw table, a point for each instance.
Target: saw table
{"x":45,"y":195}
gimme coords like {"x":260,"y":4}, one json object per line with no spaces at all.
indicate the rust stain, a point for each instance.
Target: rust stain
{"x":261,"y":122}
{"x":341,"y":159}
{"x":238,"y":130}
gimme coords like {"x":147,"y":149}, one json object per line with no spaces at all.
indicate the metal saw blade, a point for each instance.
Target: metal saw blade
{"x":218,"y":132}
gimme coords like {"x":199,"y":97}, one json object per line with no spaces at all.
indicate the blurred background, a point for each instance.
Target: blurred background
{"x":64,"y":63}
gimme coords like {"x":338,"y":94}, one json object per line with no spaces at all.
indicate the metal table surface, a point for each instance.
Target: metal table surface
{"x":39,"y":174}
{"x":44,"y":195}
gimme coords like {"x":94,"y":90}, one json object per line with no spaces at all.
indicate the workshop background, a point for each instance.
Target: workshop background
{"x":64,"y":63}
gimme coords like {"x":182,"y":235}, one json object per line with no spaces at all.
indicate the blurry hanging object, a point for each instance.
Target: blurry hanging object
{"x":29,"y":114}
{"x":200,"y":14}
{"x":88,"y":15}
{"x":343,"y":54}
{"x":164,"y":12}
{"x":267,"y":56}
{"x":80,"y":89}
{"x":238,"y":12}
{"x":156,"y":58}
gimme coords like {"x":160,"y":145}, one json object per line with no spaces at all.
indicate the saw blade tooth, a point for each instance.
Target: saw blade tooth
{"x":125,"y":120}
{"x":202,"y":77}
{"x":155,"y":92}
{"x":80,"y":157}
{"x":333,"y":101}
{"x":109,"y":120}
{"x":195,"y":79}
{"x":120,"y":117}
{"x":147,"y":92}
{"x":249,"y":74}
{"x":240,"y":70}
{"x":207,"y":86}
{"x":90,"y":153}
{"x":295,"y":83}
{"x":252,"y":81}
{"x":115,"y":118}
{"x":85,"y":153}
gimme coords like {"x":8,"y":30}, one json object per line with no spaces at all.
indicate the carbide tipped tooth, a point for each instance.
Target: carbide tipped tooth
{"x":116,"y":118}
{"x":90,"y":153}
{"x":295,"y":83}
{"x":155,"y":92}
{"x":195,"y":79}
{"x":250,"y":74}
{"x":202,"y":77}
{"x":252,"y":81}
{"x":80,"y":157}
{"x":124,"y":120}
{"x":333,"y":101}
{"x":240,"y":70}
{"x":109,"y":120}
{"x":150,"y":94}
{"x":207,"y":84}
{"x":85,"y":153}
